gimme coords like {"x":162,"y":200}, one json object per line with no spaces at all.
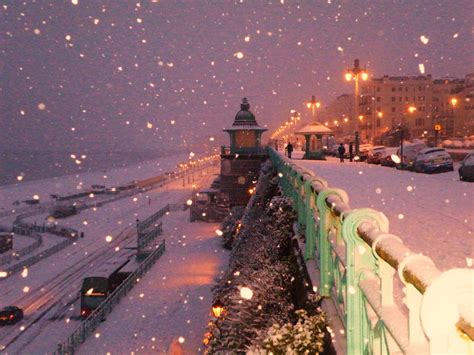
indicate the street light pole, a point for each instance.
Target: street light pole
{"x":354,"y":74}
{"x":402,"y":137}
{"x":313,"y":105}
{"x":454,"y":102}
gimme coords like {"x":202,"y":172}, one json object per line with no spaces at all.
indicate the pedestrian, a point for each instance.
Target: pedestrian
{"x":289,"y":147}
{"x":341,"y":150}
{"x":351,"y":152}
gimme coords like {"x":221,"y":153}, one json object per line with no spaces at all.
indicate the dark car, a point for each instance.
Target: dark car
{"x":375,"y":154}
{"x":386,"y":157}
{"x":10,"y":315}
{"x":466,"y":171}
{"x":433,"y":160}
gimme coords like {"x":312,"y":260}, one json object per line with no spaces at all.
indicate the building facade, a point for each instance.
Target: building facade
{"x":338,"y":116}
{"x":419,"y":103}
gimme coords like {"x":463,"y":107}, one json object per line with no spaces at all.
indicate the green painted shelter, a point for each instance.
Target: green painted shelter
{"x":245,"y":133}
{"x":313,"y":134}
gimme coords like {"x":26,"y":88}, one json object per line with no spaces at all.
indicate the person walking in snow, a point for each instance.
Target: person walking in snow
{"x":341,"y":150}
{"x":289,"y":147}
{"x":351,"y":152}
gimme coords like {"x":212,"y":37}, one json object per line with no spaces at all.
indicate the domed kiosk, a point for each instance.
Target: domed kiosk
{"x":313,"y":134}
{"x":245,"y":133}
{"x":240,"y":163}
{"x":240,"y":169}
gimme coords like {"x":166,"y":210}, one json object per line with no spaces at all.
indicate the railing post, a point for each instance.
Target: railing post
{"x":310,"y":231}
{"x":358,"y":259}
{"x":325,"y":260}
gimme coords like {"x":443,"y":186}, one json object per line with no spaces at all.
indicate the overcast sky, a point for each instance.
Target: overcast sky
{"x":153,"y":74}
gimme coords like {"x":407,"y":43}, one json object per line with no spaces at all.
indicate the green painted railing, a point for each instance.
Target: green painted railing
{"x":357,"y":259}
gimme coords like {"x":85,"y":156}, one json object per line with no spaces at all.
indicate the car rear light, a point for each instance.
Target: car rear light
{"x":12,"y":316}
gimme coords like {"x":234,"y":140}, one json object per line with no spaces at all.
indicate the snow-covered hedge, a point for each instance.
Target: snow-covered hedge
{"x":258,"y":288}
{"x":231,"y":226}
{"x":304,"y":337}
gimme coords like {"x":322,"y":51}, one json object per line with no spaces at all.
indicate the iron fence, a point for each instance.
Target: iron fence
{"x":15,"y":255}
{"x":144,"y":226}
{"x":144,"y":240}
{"x":358,"y":258}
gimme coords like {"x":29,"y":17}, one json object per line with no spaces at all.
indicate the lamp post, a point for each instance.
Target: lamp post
{"x":295,"y":117}
{"x":313,"y":105}
{"x":217,"y":309}
{"x":354,"y":74}
{"x":379,"y":116}
{"x":454,"y":102}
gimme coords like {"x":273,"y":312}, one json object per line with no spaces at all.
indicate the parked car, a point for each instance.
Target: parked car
{"x":364,"y":151}
{"x":466,"y":170}
{"x":410,"y":151}
{"x":433,"y":160}
{"x":10,"y":315}
{"x":375,"y":153}
{"x":386,"y":156}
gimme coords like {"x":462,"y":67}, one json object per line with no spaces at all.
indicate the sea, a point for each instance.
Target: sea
{"x":36,"y":165}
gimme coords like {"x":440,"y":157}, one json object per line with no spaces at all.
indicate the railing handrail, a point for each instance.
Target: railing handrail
{"x":326,"y":214}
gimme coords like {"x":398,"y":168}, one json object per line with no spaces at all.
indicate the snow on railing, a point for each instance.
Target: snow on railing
{"x":86,"y":327}
{"x":358,"y":258}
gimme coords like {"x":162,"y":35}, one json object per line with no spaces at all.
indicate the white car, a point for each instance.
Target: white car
{"x":410,"y":151}
{"x":433,"y":160}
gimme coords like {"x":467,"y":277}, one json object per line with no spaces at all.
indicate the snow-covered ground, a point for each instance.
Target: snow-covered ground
{"x":56,"y":280}
{"x":433,"y":214}
{"x":173,"y":300}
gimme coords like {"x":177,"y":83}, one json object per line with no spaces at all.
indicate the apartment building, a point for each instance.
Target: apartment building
{"x":417,"y":102}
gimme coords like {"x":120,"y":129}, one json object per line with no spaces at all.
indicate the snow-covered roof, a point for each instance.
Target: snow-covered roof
{"x":314,"y":128}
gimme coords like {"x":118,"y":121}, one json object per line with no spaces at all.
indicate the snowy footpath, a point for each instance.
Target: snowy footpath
{"x":432,"y":214}
{"x":173,"y":300}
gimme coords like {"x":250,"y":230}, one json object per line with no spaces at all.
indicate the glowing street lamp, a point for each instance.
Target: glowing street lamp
{"x":354,"y":74}
{"x":454,"y":102}
{"x":217,"y":309}
{"x":313,"y":105}
{"x":295,"y":116}
{"x":411,"y":109}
